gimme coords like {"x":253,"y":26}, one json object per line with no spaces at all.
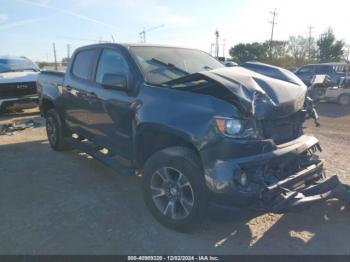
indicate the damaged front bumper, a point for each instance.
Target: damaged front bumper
{"x":301,"y":191}
{"x":285,"y":179}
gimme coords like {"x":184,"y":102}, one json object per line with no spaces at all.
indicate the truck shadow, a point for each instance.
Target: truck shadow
{"x":323,"y":229}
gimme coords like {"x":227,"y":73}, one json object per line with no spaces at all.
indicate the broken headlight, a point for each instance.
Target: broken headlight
{"x":235,"y":127}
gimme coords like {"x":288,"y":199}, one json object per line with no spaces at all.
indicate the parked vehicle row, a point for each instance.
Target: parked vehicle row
{"x":322,"y":89}
{"x":197,"y":131}
{"x":335,"y":71}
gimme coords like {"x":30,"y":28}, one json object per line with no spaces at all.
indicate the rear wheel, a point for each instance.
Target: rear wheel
{"x":344,"y":100}
{"x":174,"y":189}
{"x":56,"y":132}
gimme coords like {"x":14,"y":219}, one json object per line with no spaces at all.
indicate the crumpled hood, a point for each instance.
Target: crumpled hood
{"x":13,"y":77}
{"x":264,"y":96}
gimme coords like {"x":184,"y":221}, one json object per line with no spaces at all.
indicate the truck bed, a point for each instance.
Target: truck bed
{"x":50,"y":78}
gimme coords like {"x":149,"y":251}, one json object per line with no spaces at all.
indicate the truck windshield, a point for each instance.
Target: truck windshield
{"x":17,"y":65}
{"x":162,"y":64}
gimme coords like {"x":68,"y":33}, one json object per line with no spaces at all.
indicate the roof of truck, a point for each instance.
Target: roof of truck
{"x":127,"y":45}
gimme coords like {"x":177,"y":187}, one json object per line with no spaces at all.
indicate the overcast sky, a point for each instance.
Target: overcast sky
{"x":29,"y":27}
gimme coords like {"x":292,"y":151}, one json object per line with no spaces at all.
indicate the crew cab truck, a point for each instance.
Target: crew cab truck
{"x":197,"y":131}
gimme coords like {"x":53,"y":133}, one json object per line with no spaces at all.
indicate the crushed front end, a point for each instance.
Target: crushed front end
{"x":257,"y":154}
{"x":278,"y":170}
{"x":276,"y":178}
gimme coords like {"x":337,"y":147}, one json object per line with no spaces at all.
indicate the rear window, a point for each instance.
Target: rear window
{"x":17,"y":65}
{"x":82,"y":64}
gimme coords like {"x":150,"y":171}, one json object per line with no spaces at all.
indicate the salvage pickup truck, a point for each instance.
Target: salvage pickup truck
{"x":197,"y":132}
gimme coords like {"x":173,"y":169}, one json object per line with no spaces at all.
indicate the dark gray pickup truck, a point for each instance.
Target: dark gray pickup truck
{"x":196,"y":131}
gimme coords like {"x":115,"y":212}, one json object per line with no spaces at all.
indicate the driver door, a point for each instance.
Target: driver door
{"x":111,"y":111}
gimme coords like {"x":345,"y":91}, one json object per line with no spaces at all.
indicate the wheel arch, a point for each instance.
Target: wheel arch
{"x":151,"y":138}
{"x":45,"y":105}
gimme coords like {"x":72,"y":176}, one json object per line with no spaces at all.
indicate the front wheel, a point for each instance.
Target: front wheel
{"x":56,"y":132}
{"x":174,"y":188}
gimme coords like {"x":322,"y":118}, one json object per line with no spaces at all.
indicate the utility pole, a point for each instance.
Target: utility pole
{"x":54,"y":55}
{"x":212,"y":45}
{"x":223,"y":47}
{"x":142,"y":34}
{"x":217,"y":43}
{"x":347,"y":59}
{"x":68,"y":52}
{"x":310,"y":38}
{"x":273,"y":23}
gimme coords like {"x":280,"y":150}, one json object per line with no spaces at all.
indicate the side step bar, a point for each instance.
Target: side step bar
{"x":104,"y":158}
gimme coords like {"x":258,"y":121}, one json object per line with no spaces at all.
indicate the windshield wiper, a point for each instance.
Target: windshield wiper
{"x":170,"y":66}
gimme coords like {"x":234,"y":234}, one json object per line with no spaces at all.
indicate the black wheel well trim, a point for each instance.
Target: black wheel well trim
{"x":166,"y":137}
{"x":45,"y":105}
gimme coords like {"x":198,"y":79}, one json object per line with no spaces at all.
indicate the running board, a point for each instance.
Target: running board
{"x":104,"y":158}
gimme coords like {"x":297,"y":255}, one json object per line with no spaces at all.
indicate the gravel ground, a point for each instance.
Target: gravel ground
{"x":68,"y":203}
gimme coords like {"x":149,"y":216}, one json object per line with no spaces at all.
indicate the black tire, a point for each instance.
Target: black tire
{"x":56,"y":131}
{"x":190,"y":207}
{"x":344,"y":100}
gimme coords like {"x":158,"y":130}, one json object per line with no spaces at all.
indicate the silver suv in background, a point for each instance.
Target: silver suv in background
{"x":18,"y":77}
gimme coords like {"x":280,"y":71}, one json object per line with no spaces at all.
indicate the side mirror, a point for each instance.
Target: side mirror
{"x":115,"y":81}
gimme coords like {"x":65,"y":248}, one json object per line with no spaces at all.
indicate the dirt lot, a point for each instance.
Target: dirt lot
{"x":67,"y":203}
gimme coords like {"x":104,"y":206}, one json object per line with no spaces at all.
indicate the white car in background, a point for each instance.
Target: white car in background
{"x":18,"y":83}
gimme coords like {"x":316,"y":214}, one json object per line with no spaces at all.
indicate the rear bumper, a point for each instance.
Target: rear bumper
{"x":19,"y":102}
{"x":264,"y":190}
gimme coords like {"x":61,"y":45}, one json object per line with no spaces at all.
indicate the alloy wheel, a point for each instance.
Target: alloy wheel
{"x":172,"y":193}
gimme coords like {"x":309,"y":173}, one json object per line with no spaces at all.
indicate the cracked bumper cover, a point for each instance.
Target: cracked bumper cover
{"x":299,"y":190}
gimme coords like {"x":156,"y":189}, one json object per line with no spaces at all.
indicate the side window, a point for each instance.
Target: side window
{"x":322,"y":70}
{"x":111,"y":62}
{"x":82,"y":63}
{"x":304,"y":70}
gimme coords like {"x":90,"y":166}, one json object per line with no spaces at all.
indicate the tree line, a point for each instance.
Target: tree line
{"x":296,"y":51}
